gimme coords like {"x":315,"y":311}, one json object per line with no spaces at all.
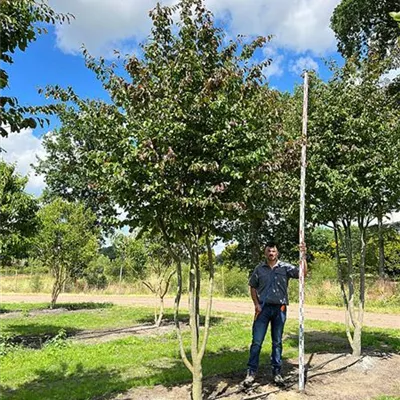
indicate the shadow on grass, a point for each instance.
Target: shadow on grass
{"x":226,"y":365}
{"x":183,"y":318}
{"x":34,"y":336}
{"x":63,"y":384}
{"x":83,"y":306}
{"x":10,"y":308}
{"x":336,"y":342}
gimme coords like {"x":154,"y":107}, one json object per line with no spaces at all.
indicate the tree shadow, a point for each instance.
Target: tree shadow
{"x":83,"y":306}
{"x":60,"y":383}
{"x":183,"y":318}
{"x":35,"y":336}
{"x":336,"y":342}
{"x":57,"y":307}
{"x":226,"y":366}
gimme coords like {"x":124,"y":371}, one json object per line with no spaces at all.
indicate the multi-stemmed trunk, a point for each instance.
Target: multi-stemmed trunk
{"x":198,"y":347}
{"x":60,"y":278}
{"x":354,"y":318}
{"x":160,"y":290}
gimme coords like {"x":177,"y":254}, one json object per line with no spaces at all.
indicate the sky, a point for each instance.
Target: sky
{"x":302,"y":40}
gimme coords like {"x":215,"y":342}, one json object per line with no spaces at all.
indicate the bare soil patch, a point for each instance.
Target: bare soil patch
{"x":106,"y":335}
{"x":330,"y":377}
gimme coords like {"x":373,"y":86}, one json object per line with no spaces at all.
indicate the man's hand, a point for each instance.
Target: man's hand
{"x":257,"y":311}
{"x":303,"y":250}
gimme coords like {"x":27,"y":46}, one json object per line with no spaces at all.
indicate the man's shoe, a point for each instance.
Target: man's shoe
{"x":278,"y":379}
{"x":250,"y":378}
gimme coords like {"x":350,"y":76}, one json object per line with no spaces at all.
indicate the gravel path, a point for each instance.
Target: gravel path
{"x":235,"y":306}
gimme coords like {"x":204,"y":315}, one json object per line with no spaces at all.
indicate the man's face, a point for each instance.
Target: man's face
{"x":271,"y":253}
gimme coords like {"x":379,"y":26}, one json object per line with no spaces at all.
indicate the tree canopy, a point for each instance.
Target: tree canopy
{"x":364,"y":25}
{"x":18,"y":209}
{"x":19,"y":26}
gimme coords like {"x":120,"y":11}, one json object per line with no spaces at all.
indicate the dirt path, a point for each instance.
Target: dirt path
{"x":235,"y":306}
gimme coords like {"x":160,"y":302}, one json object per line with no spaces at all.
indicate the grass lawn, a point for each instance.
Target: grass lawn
{"x":66,"y":369}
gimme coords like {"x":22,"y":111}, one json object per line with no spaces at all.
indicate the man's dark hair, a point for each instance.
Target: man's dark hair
{"x":270,"y":243}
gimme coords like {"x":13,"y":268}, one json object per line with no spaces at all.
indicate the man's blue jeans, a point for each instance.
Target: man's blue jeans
{"x":270,"y":313}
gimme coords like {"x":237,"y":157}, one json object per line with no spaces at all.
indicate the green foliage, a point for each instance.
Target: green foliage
{"x":19,"y":27}
{"x":322,"y":240}
{"x":132,"y":256}
{"x":67,"y":240}
{"x":229,"y":257}
{"x":191,"y":139}
{"x":364,"y":25}
{"x":391,"y":239}
{"x":353,"y":141}
{"x":323,"y":268}
{"x":392,"y":257}
{"x":58,"y":341}
{"x":395,"y":16}
{"x":17,"y":214}
{"x":234,"y":282}
{"x":6,"y":344}
{"x":95,"y":273}
{"x":36,"y":283}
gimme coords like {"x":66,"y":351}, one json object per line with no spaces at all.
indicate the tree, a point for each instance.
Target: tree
{"x":353,"y":172}
{"x":160,"y":269}
{"x":68,"y":172}
{"x":18,"y":209}
{"x":182,"y":139}
{"x":19,"y":28}
{"x":66,"y":242}
{"x":131,"y":256}
{"x":362,"y":25}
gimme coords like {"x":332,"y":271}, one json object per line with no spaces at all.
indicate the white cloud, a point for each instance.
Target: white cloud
{"x":389,"y":76}
{"x":393,"y":217}
{"x":275,"y":68}
{"x":102,"y":25}
{"x":22,"y":149}
{"x":303,"y":63}
{"x":298,"y":25}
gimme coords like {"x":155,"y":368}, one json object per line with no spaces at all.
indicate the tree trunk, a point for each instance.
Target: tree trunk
{"x":197,"y":383}
{"x":339,"y":264}
{"x":356,"y":345}
{"x":381,"y":246}
{"x":160,"y":312}
{"x":359,"y":323}
{"x":55,"y":293}
{"x":120,"y":277}
{"x":349,"y":314}
{"x":58,"y":272}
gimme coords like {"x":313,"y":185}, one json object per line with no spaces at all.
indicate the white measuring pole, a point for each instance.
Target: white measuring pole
{"x":301,"y":233}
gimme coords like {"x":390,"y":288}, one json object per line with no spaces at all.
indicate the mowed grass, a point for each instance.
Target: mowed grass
{"x":66,"y":369}
{"x":75,"y":320}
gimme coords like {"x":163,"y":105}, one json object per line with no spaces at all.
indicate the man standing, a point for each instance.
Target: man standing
{"x":268,"y":288}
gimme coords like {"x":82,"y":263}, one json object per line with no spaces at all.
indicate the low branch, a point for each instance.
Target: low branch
{"x":148,"y":285}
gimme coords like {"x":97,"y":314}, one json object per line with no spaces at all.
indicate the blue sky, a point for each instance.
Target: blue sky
{"x":302,"y":39}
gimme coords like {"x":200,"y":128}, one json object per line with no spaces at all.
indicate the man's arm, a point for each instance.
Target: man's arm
{"x":254,"y":297}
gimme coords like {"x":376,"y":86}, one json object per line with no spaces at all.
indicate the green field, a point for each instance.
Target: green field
{"x":63,"y":368}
